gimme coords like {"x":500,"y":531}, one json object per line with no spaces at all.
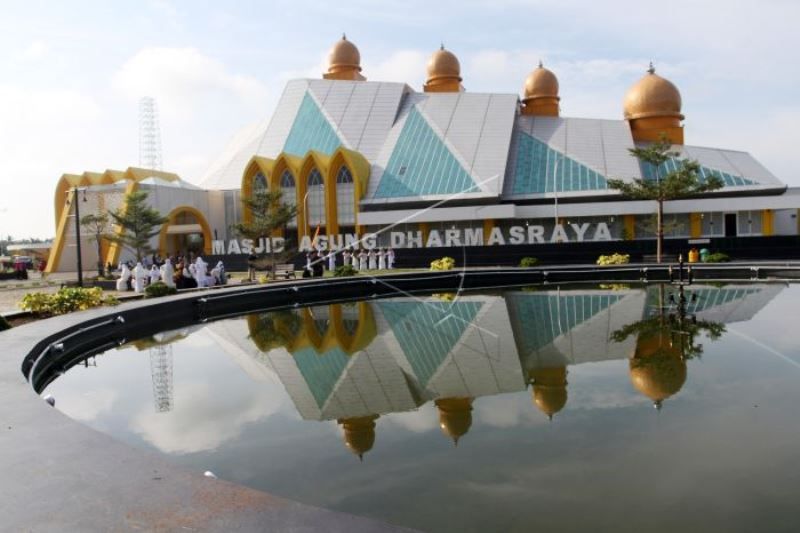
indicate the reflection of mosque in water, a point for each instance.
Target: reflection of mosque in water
{"x":355,"y":362}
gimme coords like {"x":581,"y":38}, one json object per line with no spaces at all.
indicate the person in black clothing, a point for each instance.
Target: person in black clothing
{"x":251,"y":266}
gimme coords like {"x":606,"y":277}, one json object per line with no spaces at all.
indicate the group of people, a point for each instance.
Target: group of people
{"x":184,"y":273}
{"x":371,"y":259}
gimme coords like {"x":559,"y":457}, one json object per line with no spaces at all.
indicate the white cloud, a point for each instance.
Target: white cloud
{"x":406,"y":66}
{"x":186,"y":82}
{"x":35,"y":51}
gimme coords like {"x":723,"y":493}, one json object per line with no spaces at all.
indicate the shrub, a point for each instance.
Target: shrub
{"x":66,"y":300}
{"x":4,"y":325}
{"x":445,"y":263}
{"x":157,"y":289}
{"x":528,"y":262}
{"x":445,"y":296}
{"x":344,"y":270}
{"x":613,"y":259}
{"x":717,"y":257}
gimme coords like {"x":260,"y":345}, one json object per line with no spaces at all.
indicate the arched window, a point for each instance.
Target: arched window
{"x":316,"y":199}
{"x":259,"y":182}
{"x":345,"y":199}
{"x":288,"y":191}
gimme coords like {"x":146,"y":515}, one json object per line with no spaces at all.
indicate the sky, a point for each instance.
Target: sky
{"x":72,"y":73}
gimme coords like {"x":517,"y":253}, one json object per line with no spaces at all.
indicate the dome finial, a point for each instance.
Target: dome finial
{"x":441,"y":45}
{"x":344,"y":36}
{"x":651,"y":69}
{"x":541,"y":65}
{"x":443,"y":72}
{"x":344,"y":61}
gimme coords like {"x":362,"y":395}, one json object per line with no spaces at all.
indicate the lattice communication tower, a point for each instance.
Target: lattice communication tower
{"x":149,"y":134}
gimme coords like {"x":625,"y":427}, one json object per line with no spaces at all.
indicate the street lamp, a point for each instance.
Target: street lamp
{"x":74,"y":192}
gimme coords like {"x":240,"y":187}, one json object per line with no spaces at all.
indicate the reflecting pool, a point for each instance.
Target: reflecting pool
{"x":508,"y":411}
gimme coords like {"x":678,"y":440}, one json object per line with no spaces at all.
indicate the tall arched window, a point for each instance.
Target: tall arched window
{"x":259,"y":182}
{"x":316,"y":200}
{"x":345,"y":198}
{"x":288,"y":190}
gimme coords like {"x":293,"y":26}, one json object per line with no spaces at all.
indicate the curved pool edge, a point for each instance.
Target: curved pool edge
{"x":62,"y":475}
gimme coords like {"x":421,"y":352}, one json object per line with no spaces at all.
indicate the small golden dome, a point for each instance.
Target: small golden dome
{"x":652,"y":96}
{"x":444,"y":72}
{"x":541,"y":83}
{"x":359,"y":433}
{"x":344,"y":61}
{"x":455,"y":416}
{"x":549,"y":392}
{"x":658,"y":377}
{"x":344,"y":54}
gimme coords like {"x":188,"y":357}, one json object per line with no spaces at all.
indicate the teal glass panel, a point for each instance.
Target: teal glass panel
{"x":421,"y":164}
{"x":321,"y":371}
{"x":535,"y":168}
{"x":672,"y":164}
{"x":428,"y":331}
{"x":311,"y":131}
{"x":538,"y":319}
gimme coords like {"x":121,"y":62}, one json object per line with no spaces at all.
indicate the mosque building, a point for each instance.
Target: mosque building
{"x":372,"y":163}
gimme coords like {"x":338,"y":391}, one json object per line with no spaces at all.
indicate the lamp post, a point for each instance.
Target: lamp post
{"x":78,"y":231}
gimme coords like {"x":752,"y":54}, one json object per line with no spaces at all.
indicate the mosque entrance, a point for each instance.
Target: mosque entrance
{"x":730,"y":224}
{"x":185,"y":232}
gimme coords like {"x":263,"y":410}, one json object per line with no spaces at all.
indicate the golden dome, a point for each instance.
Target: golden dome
{"x":658,"y":377}
{"x":344,"y":61}
{"x":541,"y":83}
{"x":455,"y":416}
{"x":359,"y":433}
{"x":444,"y":72}
{"x":549,"y":392}
{"x":653,"y":96}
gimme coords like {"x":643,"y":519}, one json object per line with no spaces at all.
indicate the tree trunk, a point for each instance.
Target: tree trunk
{"x":659,"y":230}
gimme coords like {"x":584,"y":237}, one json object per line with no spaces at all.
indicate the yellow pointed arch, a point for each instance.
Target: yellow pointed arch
{"x":257,"y":164}
{"x":173,"y":215}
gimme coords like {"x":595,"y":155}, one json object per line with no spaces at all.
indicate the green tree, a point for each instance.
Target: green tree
{"x":269,"y":214}
{"x":138,"y":223}
{"x":683,"y":182}
{"x":97,"y":225}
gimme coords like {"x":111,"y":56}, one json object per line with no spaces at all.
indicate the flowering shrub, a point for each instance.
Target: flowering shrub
{"x":445,"y":263}
{"x":613,"y":259}
{"x":66,"y":300}
{"x":159,"y":288}
{"x":344,"y":271}
{"x":445,"y":296}
{"x":717,"y":257}
{"x":528,"y":262}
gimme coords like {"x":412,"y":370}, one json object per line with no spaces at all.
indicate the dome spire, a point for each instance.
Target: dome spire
{"x":651,"y":69}
{"x":344,"y":61}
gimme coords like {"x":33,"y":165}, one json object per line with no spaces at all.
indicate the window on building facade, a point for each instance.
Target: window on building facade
{"x":288,"y":191}
{"x":259,"y":182}
{"x":345,"y":197}
{"x":316,"y":199}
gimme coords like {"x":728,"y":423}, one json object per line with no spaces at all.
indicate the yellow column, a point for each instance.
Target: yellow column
{"x":767,"y":222}
{"x":695,"y":225}
{"x":425,"y":228}
{"x":488,"y":226}
{"x":629,"y":227}
{"x":331,"y":209}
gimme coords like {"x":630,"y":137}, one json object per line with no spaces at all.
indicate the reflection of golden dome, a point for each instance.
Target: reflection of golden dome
{"x":455,"y":416}
{"x":359,"y":433}
{"x":653,"y":104}
{"x":344,"y":61}
{"x":658,"y":377}
{"x":444,"y":72}
{"x":549,"y":389}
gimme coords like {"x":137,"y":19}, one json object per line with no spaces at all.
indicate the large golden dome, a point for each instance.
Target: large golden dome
{"x":549,"y":389}
{"x":344,"y":61}
{"x":444,"y":72}
{"x":541,"y":82}
{"x":455,"y":416}
{"x":653,"y":96}
{"x":359,"y":433}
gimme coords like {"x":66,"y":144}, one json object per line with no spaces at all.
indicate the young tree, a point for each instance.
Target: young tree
{"x":97,"y":224}
{"x":138,"y":223}
{"x":269,"y":213}
{"x":682,"y":182}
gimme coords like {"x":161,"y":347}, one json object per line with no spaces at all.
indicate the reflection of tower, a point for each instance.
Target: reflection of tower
{"x":161,"y":370}
{"x":149,"y":134}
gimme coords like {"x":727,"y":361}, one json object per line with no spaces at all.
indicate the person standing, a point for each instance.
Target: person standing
{"x":346,"y":257}
{"x":381,"y":259}
{"x":331,"y":259}
{"x":251,"y":266}
{"x":390,"y":258}
{"x":362,"y":260}
{"x":373,"y":264}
